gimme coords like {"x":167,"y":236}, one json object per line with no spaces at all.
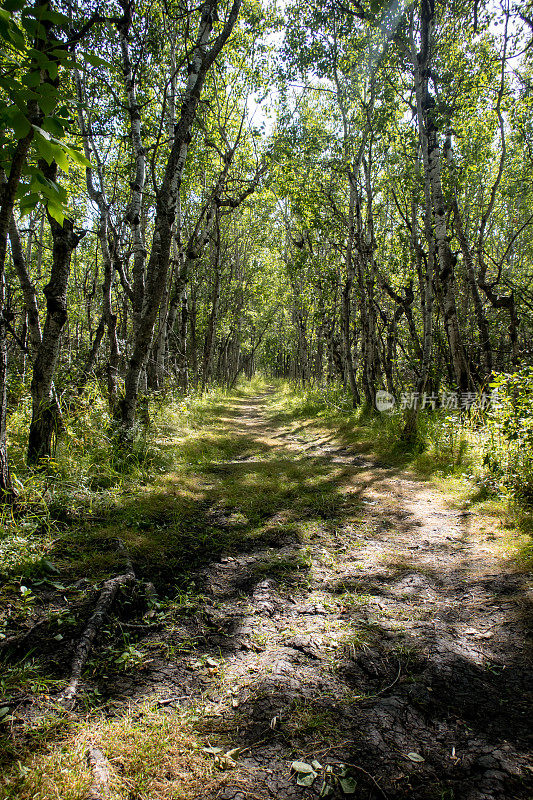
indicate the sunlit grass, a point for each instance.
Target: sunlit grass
{"x":150,"y":754}
{"x":448,"y":451}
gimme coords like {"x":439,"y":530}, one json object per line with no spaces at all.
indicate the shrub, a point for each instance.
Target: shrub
{"x":508,"y":453}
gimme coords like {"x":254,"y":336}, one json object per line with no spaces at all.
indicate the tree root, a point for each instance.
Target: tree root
{"x":101,"y":771}
{"x":106,"y":599}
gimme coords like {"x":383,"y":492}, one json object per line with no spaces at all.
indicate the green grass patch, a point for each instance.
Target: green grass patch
{"x":449,"y":450}
{"x":149,"y":754}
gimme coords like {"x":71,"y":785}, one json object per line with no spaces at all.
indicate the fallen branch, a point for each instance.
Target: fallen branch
{"x":165,"y":701}
{"x":100,"y":768}
{"x":106,"y":599}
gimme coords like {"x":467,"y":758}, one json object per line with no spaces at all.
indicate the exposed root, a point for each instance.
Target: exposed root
{"x":101,"y":770}
{"x":106,"y":599}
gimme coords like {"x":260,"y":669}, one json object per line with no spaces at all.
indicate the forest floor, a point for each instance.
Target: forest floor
{"x":322,"y":607}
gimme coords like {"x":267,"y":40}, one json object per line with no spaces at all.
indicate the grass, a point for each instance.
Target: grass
{"x":286,"y":570}
{"x":151,"y":754}
{"x":448,"y":452}
{"x":310,"y":720}
{"x":441,"y":445}
{"x":201,"y":488}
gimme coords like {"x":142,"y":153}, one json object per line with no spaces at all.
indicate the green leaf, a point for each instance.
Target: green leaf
{"x":68,"y":63}
{"x":77,"y":157}
{"x":56,"y":17}
{"x":51,"y":149}
{"x":33,"y":28}
{"x":415,"y":757}
{"x":47,"y":104}
{"x":306,"y":780}
{"x":301,"y":766}
{"x":56,"y":212}
{"x":348,"y":784}
{"x":53,"y":125}
{"x":49,"y":567}
{"x":46,"y":187}
{"x":32,"y":79}
{"x":4,"y":711}
{"x":94,"y":60}
{"x":22,"y":95}
{"x":28,"y":203}
{"x":47,"y":96}
{"x":43,"y":148}
{"x":13,"y":5}
{"x":52,"y":69}
{"x":36,"y":55}
{"x":18,"y":121}
{"x":10,"y":32}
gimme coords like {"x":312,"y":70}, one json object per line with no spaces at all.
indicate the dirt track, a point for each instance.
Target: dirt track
{"x":338,"y":612}
{"x":365,"y":625}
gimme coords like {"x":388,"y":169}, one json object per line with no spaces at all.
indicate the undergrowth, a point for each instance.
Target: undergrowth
{"x":483,"y":460}
{"x":150,"y":753}
{"x":88,"y":474}
{"x":443,"y":443}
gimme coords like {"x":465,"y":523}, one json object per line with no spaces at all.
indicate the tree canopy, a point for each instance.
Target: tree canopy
{"x":336,"y":194}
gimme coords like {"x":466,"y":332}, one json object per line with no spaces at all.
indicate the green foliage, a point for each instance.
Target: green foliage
{"x":35,"y":100}
{"x":508,"y":454}
{"x":441,"y":446}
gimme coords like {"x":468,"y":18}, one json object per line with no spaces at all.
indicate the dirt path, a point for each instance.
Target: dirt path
{"x":341,"y":614}
{"x":362,"y":626}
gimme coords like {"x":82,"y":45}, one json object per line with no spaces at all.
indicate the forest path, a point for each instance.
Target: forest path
{"x":317,"y":605}
{"x":354,"y":620}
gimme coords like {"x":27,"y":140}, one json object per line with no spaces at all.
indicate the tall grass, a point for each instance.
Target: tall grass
{"x":88,"y":470}
{"x":443,"y":441}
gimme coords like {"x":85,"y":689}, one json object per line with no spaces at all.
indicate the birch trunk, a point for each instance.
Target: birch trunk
{"x":202,"y":58}
{"x":346,"y":299}
{"x":137,"y":185}
{"x":431,"y":157}
{"x":211,"y":326}
{"x":479,"y":311}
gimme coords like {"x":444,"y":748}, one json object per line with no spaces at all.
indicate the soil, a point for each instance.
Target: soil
{"x":391,"y":640}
